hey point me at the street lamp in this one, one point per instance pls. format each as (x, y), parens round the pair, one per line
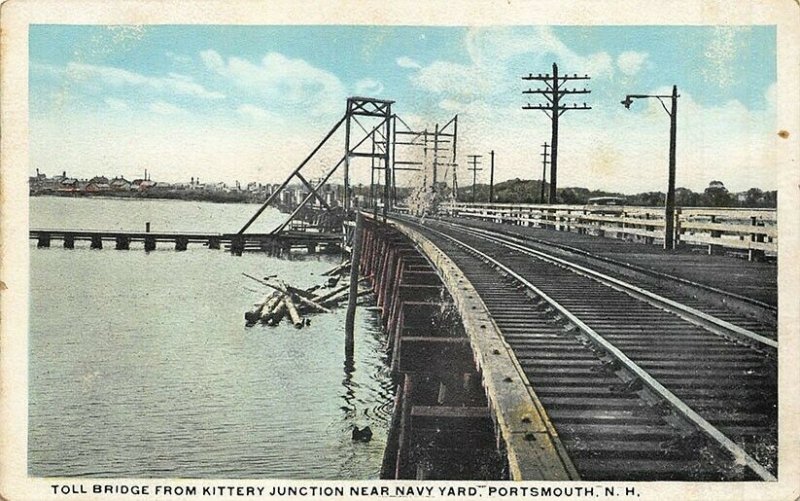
(669, 215)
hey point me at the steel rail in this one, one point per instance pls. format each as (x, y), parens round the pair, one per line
(633, 267)
(697, 317)
(680, 407)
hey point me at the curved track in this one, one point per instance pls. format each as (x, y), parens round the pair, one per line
(637, 385)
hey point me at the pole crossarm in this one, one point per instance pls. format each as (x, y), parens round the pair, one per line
(561, 108)
(554, 91)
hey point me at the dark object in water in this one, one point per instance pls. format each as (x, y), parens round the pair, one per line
(362, 435)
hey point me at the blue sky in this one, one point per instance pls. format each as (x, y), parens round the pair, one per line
(248, 102)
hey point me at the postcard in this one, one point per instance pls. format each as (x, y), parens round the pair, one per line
(369, 250)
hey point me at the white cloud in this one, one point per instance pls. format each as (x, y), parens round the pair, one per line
(259, 114)
(368, 87)
(493, 71)
(178, 58)
(494, 47)
(115, 77)
(458, 80)
(164, 108)
(407, 62)
(212, 59)
(116, 104)
(631, 62)
(282, 81)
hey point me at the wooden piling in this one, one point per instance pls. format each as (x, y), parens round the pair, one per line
(97, 242)
(237, 245)
(349, 324)
(123, 242)
(44, 240)
(149, 243)
(69, 241)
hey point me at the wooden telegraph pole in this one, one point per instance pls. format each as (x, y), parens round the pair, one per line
(554, 92)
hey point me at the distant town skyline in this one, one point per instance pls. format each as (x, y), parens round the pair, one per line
(249, 102)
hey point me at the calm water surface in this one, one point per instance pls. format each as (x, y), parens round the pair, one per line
(140, 364)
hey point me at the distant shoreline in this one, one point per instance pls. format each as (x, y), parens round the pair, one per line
(189, 196)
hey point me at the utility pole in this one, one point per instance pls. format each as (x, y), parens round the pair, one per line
(491, 178)
(669, 210)
(545, 161)
(455, 183)
(474, 161)
(554, 92)
(435, 156)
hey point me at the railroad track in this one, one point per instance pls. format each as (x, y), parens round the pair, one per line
(637, 385)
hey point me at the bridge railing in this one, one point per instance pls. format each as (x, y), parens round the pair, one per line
(754, 231)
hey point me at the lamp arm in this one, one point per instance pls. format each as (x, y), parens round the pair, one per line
(663, 105)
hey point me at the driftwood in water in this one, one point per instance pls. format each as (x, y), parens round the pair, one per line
(336, 270)
(278, 313)
(283, 290)
(269, 309)
(332, 293)
(253, 315)
(339, 296)
(308, 294)
(293, 314)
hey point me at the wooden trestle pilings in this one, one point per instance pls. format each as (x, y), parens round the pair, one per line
(277, 245)
(461, 409)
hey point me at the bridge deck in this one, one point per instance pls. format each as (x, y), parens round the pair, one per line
(631, 386)
(756, 280)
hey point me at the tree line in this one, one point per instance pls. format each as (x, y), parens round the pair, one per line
(528, 191)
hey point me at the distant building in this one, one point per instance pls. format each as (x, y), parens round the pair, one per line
(99, 180)
(68, 184)
(120, 184)
(94, 187)
(142, 184)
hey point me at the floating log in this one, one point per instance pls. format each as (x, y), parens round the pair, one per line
(253, 315)
(280, 310)
(324, 297)
(281, 289)
(293, 314)
(339, 296)
(302, 293)
(269, 310)
(337, 269)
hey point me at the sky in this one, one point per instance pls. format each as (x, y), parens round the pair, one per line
(248, 103)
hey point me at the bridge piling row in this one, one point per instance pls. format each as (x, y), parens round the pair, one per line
(441, 426)
(279, 245)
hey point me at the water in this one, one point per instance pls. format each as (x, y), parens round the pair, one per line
(140, 364)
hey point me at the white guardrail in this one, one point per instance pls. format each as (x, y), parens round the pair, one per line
(754, 231)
